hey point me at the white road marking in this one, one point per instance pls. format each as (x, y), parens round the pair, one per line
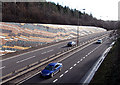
(2, 67)
(43, 53)
(55, 80)
(75, 64)
(81, 59)
(89, 53)
(66, 71)
(47, 51)
(86, 55)
(28, 78)
(50, 50)
(61, 75)
(78, 62)
(35, 50)
(71, 67)
(25, 59)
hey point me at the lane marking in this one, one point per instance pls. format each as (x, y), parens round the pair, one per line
(55, 80)
(66, 71)
(2, 67)
(50, 50)
(78, 62)
(25, 59)
(47, 51)
(43, 53)
(61, 75)
(75, 64)
(81, 59)
(71, 67)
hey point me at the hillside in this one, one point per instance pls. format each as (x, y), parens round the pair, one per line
(21, 36)
(50, 13)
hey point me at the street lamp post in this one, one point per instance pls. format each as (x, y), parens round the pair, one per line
(78, 32)
(78, 29)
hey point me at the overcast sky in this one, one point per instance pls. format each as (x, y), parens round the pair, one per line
(101, 9)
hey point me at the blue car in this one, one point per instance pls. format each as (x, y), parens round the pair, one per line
(51, 69)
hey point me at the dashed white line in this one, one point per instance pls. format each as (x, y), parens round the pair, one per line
(61, 75)
(66, 71)
(55, 80)
(47, 51)
(2, 67)
(75, 64)
(50, 50)
(43, 53)
(89, 53)
(71, 67)
(81, 59)
(25, 59)
(78, 62)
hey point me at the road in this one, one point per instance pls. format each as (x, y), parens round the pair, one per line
(74, 68)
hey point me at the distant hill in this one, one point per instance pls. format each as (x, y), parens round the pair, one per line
(50, 13)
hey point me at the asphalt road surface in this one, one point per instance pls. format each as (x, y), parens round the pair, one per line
(16, 62)
(76, 65)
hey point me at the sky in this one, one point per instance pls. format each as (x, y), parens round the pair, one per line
(101, 9)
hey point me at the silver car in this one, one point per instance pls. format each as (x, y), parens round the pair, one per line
(99, 41)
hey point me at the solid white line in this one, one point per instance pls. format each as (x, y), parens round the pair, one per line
(71, 67)
(75, 64)
(66, 71)
(25, 59)
(61, 75)
(29, 78)
(55, 80)
(2, 67)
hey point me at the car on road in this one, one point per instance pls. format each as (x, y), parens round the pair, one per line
(72, 43)
(99, 41)
(51, 69)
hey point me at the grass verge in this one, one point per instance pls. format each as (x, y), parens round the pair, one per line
(109, 71)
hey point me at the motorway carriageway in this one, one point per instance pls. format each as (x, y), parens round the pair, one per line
(76, 65)
(17, 62)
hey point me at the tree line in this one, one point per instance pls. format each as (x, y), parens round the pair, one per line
(51, 13)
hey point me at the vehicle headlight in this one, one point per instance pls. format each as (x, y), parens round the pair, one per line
(48, 74)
